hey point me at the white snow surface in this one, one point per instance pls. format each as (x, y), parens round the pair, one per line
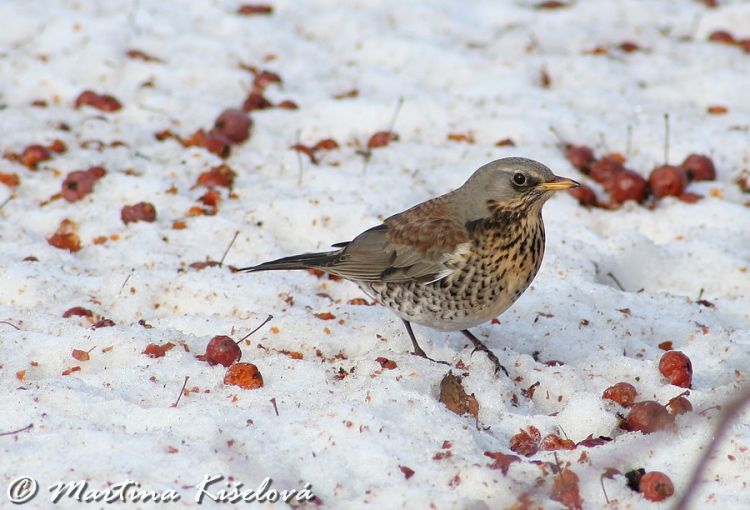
(460, 67)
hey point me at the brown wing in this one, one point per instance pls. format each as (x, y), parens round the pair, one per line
(420, 244)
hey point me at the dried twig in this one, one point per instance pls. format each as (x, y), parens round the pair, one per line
(617, 282)
(182, 390)
(10, 324)
(256, 329)
(231, 243)
(22, 429)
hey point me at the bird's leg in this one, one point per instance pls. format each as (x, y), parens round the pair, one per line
(479, 346)
(418, 351)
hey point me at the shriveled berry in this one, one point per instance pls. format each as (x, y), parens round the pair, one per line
(580, 157)
(256, 101)
(234, 124)
(527, 441)
(244, 375)
(264, 79)
(78, 184)
(666, 181)
(221, 175)
(254, 9)
(287, 104)
(33, 155)
(679, 405)
(647, 417)
(690, 197)
(222, 350)
(655, 486)
(103, 102)
(676, 366)
(699, 168)
(381, 139)
(142, 211)
(217, 143)
(623, 393)
(721, 36)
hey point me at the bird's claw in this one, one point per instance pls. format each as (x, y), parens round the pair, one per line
(422, 354)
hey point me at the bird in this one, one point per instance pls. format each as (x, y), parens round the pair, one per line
(452, 262)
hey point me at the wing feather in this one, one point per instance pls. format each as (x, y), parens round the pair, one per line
(421, 244)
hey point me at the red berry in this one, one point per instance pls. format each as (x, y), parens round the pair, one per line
(222, 350)
(603, 171)
(628, 185)
(623, 393)
(676, 366)
(585, 195)
(699, 168)
(647, 417)
(655, 486)
(33, 155)
(667, 181)
(234, 124)
(580, 156)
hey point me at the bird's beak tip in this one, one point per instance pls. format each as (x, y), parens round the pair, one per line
(560, 183)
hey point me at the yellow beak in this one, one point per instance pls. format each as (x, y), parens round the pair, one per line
(559, 183)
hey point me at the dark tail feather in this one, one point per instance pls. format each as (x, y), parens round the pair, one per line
(303, 261)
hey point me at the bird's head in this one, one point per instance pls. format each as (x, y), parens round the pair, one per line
(515, 182)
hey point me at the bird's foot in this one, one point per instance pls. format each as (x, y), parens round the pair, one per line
(419, 352)
(495, 361)
(479, 346)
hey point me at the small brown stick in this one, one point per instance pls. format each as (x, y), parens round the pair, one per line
(256, 329)
(731, 410)
(182, 390)
(5, 202)
(22, 429)
(231, 243)
(10, 324)
(617, 282)
(273, 401)
(117, 296)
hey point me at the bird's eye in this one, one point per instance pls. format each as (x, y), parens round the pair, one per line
(519, 179)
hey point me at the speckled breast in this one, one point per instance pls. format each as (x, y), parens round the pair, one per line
(502, 263)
